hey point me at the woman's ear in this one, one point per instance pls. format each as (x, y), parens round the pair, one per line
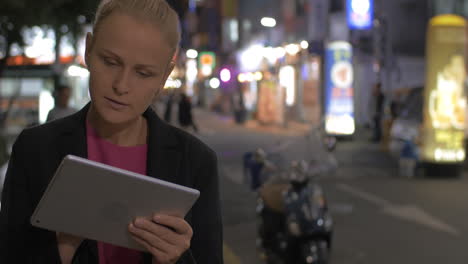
(89, 46)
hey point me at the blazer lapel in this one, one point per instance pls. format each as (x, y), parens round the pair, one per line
(164, 151)
(73, 137)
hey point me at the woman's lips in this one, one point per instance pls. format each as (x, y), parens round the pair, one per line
(116, 104)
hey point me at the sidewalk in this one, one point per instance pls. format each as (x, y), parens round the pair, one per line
(209, 121)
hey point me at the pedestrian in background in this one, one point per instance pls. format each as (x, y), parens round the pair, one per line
(379, 98)
(168, 109)
(129, 57)
(185, 113)
(61, 109)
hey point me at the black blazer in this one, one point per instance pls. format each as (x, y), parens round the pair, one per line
(173, 155)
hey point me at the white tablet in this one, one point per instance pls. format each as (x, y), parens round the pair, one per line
(96, 201)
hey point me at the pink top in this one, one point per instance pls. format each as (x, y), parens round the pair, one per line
(127, 158)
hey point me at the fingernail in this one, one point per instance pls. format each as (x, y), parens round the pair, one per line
(157, 218)
(137, 222)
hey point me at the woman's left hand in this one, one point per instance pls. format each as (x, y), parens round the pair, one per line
(165, 237)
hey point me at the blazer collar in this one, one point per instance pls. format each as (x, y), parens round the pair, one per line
(164, 149)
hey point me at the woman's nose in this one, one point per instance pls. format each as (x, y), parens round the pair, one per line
(121, 84)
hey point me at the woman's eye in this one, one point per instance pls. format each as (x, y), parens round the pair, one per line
(144, 74)
(110, 62)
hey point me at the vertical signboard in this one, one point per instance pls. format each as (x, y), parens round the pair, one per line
(360, 13)
(339, 106)
(270, 107)
(445, 98)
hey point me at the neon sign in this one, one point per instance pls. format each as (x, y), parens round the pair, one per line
(360, 14)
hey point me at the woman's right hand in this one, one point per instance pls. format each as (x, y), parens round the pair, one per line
(67, 245)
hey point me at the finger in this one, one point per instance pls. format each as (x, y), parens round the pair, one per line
(160, 231)
(151, 238)
(179, 225)
(157, 253)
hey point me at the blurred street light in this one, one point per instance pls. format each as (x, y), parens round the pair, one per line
(206, 70)
(251, 58)
(269, 54)
(268, 22)
(215, 83)
(292, 49)
(225, 75)
(250, 77)
(280, 52)
(304, 44)
(242, 78)
(192, 54)
(77, 71)
(258, 76)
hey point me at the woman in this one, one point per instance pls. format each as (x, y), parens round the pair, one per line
(129, 56)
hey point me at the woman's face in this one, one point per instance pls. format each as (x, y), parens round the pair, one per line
(129, 62)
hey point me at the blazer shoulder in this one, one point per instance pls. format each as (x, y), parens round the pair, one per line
(196, 147)
(47, 129)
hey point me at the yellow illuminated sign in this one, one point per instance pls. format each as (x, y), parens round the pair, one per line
(445, 99)
(448, 20)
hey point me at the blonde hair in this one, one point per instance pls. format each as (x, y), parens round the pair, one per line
(157, 12)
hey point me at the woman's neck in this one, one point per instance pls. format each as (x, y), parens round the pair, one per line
(131, 133)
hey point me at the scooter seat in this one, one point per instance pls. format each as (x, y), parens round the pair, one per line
(272, 195)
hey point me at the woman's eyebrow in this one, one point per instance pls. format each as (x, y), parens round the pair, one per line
(111, 53)
(139, 65)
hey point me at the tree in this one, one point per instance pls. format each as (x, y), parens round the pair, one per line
(12, 20)
(63, 16)
(60, 15)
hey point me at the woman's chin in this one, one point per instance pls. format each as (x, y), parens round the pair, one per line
(113, 117)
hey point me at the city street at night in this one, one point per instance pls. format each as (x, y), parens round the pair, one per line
(304, 131)
(379, 217)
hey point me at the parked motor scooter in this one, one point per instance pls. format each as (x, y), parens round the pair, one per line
(294, 223)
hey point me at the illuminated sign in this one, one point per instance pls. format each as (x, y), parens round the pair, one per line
(207, 62)
(360, 13)
(207, 59)
(287, 79)
(445, 98)
(339, 106)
